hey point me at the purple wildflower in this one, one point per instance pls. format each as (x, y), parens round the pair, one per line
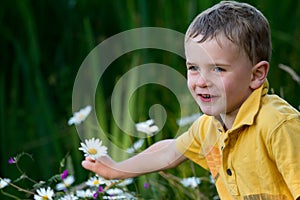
(64, 174)
(146, 185)
(12, 160)
(95, 195)
(100, 189)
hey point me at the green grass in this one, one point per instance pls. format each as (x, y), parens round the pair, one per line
(43, 44)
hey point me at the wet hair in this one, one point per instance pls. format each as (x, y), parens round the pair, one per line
(241, 23)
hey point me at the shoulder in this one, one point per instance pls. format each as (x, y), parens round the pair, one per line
(277, 116)
(196, 130)
(203, 122)
(275, 111)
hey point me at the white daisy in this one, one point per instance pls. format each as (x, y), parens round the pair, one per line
(80, 116)
(112, 181)
(147, 127)
(68, 197)
(44, 194)
(123, 195)
(188, 120)
(137, 145)
(114, 191)
(192, 182)
(118, 197)
(4, 182)
(125, 182)
(93, 148)
(85, 193)
(66, 183)
(96, 181)
(212, 180)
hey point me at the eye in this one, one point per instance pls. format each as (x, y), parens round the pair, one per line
(193, 68)
(219, 69)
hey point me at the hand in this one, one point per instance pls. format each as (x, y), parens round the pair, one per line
(160, 156)
(103, 166)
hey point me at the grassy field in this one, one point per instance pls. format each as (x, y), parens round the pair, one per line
(43, 43)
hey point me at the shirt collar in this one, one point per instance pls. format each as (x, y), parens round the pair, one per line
(250, 107)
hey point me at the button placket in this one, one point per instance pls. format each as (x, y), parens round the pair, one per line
(229, 172)
(227, 166)
(221, 140)
(231, 180)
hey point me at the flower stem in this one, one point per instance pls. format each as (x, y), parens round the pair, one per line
(9, 195)
(20, 189)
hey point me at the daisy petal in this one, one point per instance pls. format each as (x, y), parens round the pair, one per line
(80, 116)
(93, 148)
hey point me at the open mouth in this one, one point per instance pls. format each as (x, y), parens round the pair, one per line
(205, 96)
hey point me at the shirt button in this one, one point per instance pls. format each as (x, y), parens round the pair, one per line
(229, 172)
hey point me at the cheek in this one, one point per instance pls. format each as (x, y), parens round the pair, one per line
(226, 89)
(190, 84)
(232, 91)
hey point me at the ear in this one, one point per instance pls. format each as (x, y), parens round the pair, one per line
(259, 74)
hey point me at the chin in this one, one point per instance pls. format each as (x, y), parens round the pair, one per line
(210, 112)
(214, 109)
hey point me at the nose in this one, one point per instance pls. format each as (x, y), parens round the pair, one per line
(201, 81)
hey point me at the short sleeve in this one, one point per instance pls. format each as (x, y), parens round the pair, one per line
(189, 144)
(285, 148)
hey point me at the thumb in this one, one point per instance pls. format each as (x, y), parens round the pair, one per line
(88, 164)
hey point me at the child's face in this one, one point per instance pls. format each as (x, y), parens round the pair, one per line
(218, 76)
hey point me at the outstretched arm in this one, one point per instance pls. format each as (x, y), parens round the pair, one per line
(161, 155)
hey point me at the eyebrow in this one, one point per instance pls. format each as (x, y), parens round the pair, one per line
(212, 64)
(188, 63)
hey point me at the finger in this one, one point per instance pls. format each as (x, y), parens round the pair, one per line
(89, 159)
(88, 164)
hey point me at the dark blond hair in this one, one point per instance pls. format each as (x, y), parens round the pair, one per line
(240, 23)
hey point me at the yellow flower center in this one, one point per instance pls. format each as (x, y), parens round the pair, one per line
(44, 197)
(92, 151)
(96, 182)
(80, 116)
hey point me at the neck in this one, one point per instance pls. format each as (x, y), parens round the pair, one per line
(227, 120)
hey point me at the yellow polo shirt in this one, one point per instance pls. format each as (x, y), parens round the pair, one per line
(258, 158)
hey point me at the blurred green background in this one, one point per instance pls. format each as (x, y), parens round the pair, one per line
(44, 42)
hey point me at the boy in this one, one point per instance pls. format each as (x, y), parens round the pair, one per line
(249, 140)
